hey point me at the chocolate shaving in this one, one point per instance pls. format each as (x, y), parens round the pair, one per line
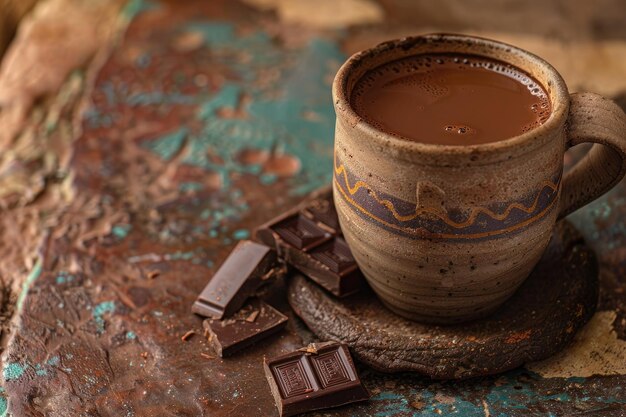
(187, 335)
(313, 348)
(252, 317)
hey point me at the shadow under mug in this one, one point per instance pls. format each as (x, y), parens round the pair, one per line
(447, 233)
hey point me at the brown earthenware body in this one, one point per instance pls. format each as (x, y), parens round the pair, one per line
(448, 233)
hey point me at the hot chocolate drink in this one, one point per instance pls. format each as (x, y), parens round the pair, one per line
(448, 197)
(451, 99)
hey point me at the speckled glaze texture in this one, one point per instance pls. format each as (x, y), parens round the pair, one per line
(448, 233)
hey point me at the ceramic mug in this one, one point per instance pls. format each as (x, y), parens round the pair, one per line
(448, 233)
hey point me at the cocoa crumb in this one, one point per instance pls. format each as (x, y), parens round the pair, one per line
(252, 317)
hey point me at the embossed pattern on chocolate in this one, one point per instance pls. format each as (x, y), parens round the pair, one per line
(292, 379)
(330, 369)
(319, 376)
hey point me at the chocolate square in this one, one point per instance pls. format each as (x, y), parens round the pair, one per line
(330, 368)
(323, 211)
(319, 376)
(335, 254)
(292, 378)
(301, 232)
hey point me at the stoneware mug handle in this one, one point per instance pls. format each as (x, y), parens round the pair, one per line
(593, 118)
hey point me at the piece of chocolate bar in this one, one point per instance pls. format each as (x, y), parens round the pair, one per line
(308, 237)
(323, 209)
(301, 232)
(242, 273)
(255, 321)
(319, 376)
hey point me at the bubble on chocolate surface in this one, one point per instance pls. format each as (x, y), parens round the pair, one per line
(460, 129)
(427, 81)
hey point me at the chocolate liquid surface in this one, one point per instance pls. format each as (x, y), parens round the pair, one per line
(451, 99)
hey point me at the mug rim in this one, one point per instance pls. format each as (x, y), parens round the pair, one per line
(556, 89)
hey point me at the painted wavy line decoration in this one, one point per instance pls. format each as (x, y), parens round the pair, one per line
(481, 221)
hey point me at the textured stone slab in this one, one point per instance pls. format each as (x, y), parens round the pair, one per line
(557, 299)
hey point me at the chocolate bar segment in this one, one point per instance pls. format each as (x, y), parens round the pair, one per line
(323, 210)
(330, 265)
(301, 232)
(319, 376)
(242, 273)
(308, 237)
(254, 322)
(335, 255)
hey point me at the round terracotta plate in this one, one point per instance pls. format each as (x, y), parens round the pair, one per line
(557, 299)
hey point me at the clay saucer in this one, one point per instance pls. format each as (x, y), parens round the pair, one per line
(557, 299)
